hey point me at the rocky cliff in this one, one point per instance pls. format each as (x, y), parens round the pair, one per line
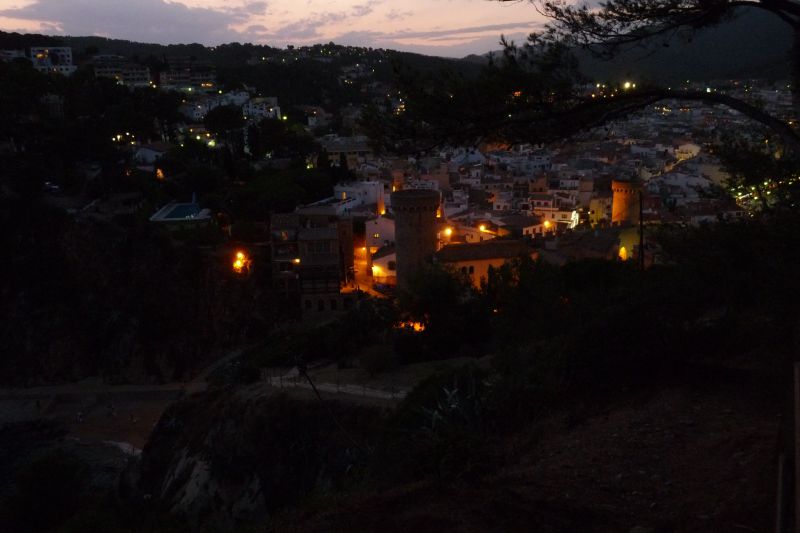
(224, 459)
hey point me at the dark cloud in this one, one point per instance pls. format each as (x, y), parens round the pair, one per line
(396, 14)
(141, 20)
(256, 29)
(366, 8)
(441, 45)
(460, 33)
(164, 21)
(306, 29)
(254, 8)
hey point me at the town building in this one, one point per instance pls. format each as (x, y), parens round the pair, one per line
(148, 154)
(53, 60)
(312, 262)
(474, 260)
(188, 74)
(257, 109)
(128, 74)
(354, 150)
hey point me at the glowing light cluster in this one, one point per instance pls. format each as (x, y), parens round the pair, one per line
(416, 326)
(241, 262)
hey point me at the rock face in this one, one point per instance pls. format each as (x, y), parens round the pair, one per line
(38, 464)
(225, 459)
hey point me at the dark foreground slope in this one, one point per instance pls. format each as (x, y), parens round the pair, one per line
(616, 398)
(695, 455)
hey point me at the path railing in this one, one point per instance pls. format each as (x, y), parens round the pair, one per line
(295, 380)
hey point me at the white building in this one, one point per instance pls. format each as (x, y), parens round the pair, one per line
(379, 233)
(150, 153)
(57, 59)
(237, 98)
(458, 203)
(257, 109)
(362, 193)
(503, 201)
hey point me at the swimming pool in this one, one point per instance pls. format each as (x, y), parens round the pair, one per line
(183, 211)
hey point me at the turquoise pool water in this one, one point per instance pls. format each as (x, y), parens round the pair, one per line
(184, 211)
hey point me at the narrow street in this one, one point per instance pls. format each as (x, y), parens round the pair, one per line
(363, 274)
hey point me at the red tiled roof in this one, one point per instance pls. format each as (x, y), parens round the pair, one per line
(493, 249)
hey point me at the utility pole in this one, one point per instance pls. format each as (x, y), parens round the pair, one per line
(641, 230)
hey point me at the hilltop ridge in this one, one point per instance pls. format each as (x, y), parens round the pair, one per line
(753, 44)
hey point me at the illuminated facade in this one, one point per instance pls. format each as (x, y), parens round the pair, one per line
(625, 202)
(474, 260)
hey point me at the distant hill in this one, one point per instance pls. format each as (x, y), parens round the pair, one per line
(754, 44)
(227, 55)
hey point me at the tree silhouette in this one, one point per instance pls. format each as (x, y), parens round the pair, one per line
(620, 24)
(531, 92)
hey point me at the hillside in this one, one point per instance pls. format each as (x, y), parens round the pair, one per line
(754, 44)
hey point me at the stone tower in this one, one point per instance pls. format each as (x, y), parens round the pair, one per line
(415, 230)
(625, 202)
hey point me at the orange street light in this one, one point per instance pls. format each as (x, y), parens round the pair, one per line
(241, 262)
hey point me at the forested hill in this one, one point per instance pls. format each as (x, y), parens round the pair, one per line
(754, 44)
(227, 55)
(295, 75)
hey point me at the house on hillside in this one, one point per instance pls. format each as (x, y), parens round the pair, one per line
(474, 260)
(148, 154)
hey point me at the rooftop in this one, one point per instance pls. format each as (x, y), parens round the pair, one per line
(492, 249)
(157, 147)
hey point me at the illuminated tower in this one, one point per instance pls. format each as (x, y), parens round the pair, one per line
(415, 230)
(625, 202)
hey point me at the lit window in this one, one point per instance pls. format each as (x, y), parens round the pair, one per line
(376, 235)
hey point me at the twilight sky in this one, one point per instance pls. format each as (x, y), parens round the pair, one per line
(437, 27)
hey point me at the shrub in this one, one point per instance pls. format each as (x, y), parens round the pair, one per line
(377, 359)
(48, 492)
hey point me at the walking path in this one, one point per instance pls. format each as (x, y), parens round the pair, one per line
(98, 411)
(293, 379)
(95, 386)
(363, 275)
